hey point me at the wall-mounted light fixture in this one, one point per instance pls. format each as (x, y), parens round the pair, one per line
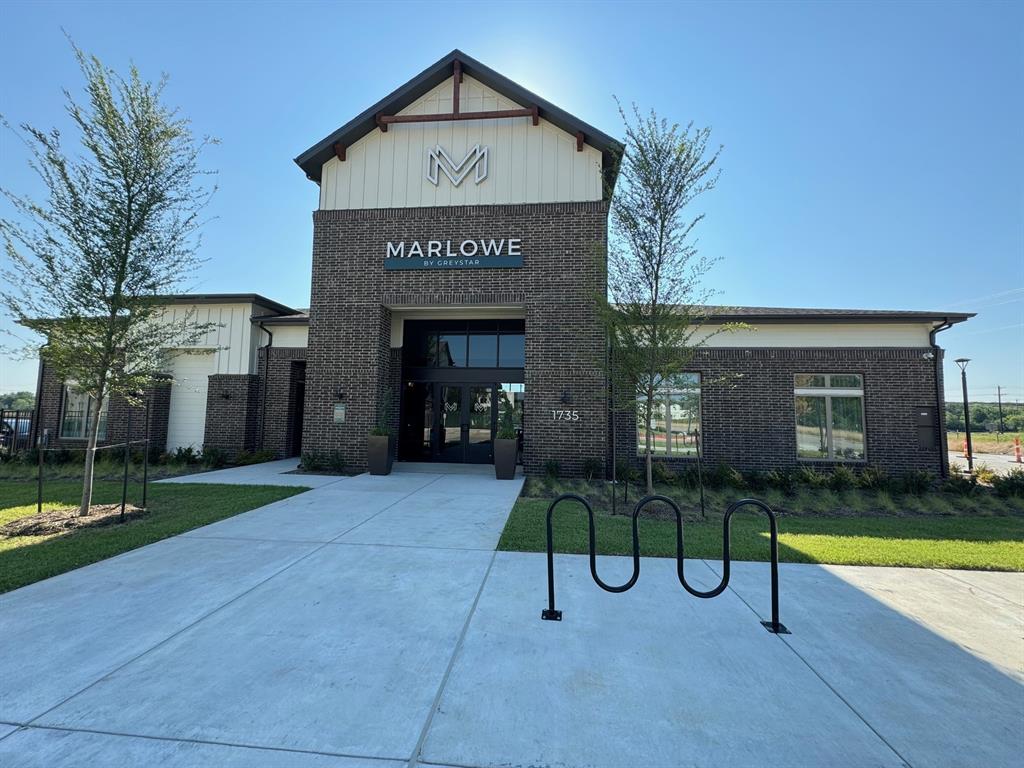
(226, 395)
(566, 397)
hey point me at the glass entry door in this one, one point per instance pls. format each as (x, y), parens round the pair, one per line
(451, 445)
(480, 429)
(448, 422)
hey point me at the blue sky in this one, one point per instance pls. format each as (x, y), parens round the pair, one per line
(873, 152)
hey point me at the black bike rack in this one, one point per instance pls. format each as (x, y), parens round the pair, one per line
(774, 626)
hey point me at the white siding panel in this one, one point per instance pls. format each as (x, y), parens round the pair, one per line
(290, 335)
(527, 163)
(230, 340)
(186, 422)
(826, 335)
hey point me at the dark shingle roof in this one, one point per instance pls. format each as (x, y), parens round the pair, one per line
(762, 315)
(777, 314)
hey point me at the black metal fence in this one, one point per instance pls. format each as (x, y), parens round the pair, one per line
(15, 431)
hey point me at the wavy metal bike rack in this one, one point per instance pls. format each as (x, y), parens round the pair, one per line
(774, 626)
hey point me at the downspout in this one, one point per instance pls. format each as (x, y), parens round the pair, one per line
(266, 379)
(940, 405)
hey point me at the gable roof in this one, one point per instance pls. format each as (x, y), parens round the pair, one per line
(311, 161)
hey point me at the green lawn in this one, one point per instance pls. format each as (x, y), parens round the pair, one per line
(994, 542)
(173, 509)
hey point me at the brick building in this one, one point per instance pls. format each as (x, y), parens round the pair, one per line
(458, 247)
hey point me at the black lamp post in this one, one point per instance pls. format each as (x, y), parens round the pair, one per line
(962, 362)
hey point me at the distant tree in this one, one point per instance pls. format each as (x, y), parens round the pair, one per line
(17, 401)
(117, 233)
(656, 306)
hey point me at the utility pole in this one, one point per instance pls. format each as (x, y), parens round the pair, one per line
(999, 396)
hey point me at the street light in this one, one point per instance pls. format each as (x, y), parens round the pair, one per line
(962, 362)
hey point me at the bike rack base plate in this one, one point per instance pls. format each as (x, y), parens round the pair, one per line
(776, 629)
(549, 615)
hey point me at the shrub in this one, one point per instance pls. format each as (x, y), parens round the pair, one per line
(781, 479)
(962, 485)
(810, 477)
(322, 461)
(626, 472)
(312, 462)
(243, 458)
(874, 478)
(723, 476)
(983, 473)
(591, 468)
(916, 481)
(662, 473)
(552, 469)
(1010, 484)
(184, 456)
(214, 458)
(842, 479)
(757, 481)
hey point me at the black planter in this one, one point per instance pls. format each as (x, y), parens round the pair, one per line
(378, 454)
(505, 453)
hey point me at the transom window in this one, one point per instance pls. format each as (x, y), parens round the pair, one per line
(675, 423)
(464, 344)
(78, 408)
(829, 416)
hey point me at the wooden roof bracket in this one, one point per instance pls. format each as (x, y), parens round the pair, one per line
(579, 141)
(339, 151)
(383, 121)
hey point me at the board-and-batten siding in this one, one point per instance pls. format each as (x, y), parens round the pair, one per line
(231, 340)
(526, 163)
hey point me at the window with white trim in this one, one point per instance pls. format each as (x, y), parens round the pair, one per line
(829, 416)
(675, 423)
(78, 408)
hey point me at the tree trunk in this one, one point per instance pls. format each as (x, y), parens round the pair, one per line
(92, 435)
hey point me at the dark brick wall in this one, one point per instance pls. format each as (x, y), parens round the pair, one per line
(349, 351)
(748, 407)
(51, 402)
(231, 412)
(279, 390)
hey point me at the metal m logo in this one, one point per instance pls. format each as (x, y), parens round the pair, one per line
(437, 158)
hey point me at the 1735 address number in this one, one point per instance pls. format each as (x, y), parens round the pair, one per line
(565, 415)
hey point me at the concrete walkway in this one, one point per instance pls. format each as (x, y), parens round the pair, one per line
(281, 472)
(369, 622)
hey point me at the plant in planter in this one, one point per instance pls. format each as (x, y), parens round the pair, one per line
(379, 456)
(506, 444)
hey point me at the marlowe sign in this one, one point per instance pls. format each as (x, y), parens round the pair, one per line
(483, 253)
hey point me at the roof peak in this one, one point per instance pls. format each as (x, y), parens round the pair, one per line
(311, 161)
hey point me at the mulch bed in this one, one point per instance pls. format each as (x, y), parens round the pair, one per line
(64, 520)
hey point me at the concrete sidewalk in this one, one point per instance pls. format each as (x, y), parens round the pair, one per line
(266, 473)
(369, 622)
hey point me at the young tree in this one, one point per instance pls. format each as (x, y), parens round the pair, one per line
(117, 233)
(656, 306)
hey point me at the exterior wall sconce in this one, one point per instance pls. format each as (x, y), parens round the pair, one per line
(226, 395)
(566, 397)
